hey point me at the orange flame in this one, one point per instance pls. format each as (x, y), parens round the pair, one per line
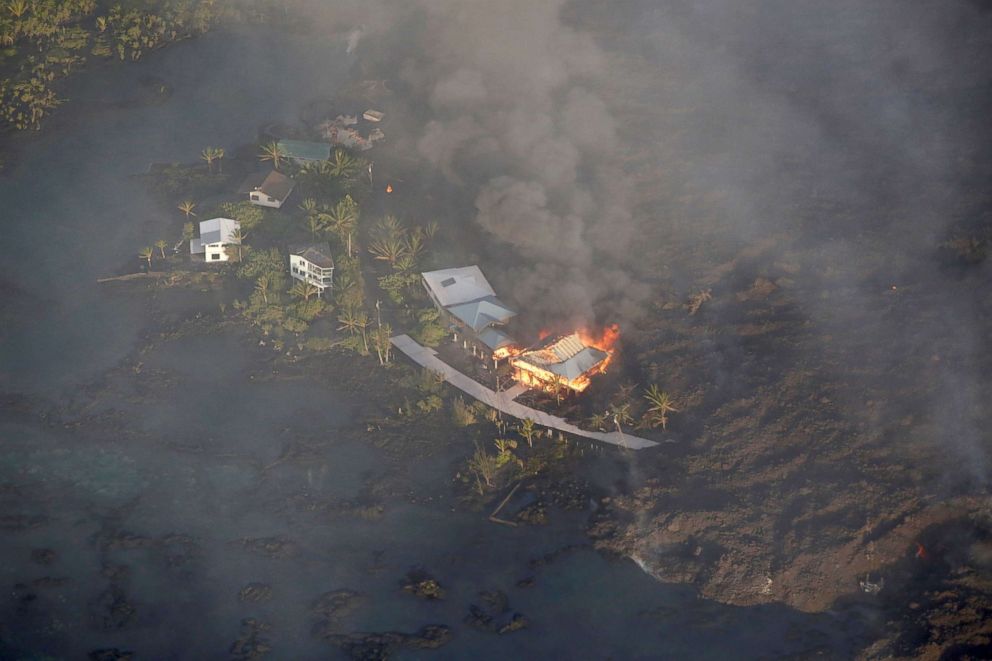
(603, 340)
(389, 188)
(542, 334)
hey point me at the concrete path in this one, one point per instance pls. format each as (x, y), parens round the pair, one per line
(504, 400)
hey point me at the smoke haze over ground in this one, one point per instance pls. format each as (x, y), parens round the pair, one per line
(608, 143)
(805, 162)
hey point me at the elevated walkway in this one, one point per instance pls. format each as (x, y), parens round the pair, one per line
(504, 400)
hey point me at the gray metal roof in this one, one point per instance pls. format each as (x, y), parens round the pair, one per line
(218, 230)
(565, 356)
(458, 285)
(318, 254)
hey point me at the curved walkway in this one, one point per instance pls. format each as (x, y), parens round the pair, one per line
(504, 400)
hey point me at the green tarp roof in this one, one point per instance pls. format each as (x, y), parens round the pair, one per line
(305, 151)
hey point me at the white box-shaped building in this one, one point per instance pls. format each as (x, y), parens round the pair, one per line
(216, 235)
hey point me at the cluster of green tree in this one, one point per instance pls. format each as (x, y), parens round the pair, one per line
(511, 462)
(274, 305)
(129, 32)
(280, 305)
(424, 392)
(147, 254)
(45, 40)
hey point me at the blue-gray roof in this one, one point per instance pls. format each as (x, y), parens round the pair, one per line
(482, 312)
(565, 356)
(494, 338)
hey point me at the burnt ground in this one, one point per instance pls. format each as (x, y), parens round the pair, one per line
(832, 390)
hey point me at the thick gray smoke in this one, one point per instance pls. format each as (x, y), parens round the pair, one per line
(847, 137)
(511, 93)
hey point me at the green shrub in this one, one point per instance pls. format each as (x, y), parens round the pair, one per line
(462, 414)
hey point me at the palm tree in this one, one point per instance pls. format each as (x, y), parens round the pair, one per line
(661, 406)
(621, 414)
(219, 155)
(147, 253)
(17, 8)
(238, 236)
(308, 206)
(405, 264)
(303, 290)
(343, 216)
(272, 152)
(344, 165)
(161, 244)
(315, 222)
(415, 243)
(389, 226)
(598, 421)
(388, 249)
(209, 154)
(430, 229)
(187, 206)
(527, 430)
(262, 287)
(349, 321)
(355, 321)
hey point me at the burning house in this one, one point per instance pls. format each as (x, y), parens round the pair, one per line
(564, 361)
(468, 303)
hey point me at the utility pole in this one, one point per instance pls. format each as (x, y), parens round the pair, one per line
(499, 399)
(623, 441)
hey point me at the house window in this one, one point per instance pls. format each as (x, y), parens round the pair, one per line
(254, 196)
(215, 256)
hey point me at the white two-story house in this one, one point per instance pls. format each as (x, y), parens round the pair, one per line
(313, 263)
(216, 236)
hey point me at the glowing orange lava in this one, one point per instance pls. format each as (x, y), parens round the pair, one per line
(389, 188)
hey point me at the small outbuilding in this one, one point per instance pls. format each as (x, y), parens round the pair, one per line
(267, 189)
(217, 235)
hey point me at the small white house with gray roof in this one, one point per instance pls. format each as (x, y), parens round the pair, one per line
(466, 298)
(216, 235)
